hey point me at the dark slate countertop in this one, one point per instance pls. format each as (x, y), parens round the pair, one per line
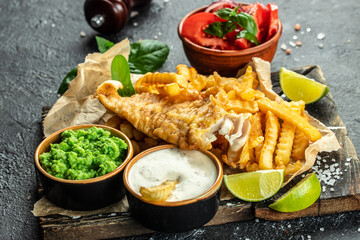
(41, 42)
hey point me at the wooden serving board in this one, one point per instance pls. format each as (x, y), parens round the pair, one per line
(342, 196)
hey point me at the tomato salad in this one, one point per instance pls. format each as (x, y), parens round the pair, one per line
(227, 25)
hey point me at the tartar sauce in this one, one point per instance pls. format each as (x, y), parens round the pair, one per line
(194, 171)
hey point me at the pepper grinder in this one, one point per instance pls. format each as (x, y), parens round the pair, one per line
(110, 16)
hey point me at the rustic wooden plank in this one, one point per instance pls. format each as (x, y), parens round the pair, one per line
(344, 197)
(122, 225)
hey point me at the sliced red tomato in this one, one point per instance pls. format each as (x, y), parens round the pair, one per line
(260, 13)
(273, 20)
(193, 30)
(243, 43)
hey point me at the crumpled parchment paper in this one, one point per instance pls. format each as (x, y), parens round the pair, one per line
(78, 106)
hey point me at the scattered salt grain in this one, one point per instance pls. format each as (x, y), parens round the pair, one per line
(347, 164)
(333, 160)
(308, 29)
(332, 189)
(283, 95)
(156, 37)
(324, 160)
(303, 175)
(322, 229)
(256, 220)
(134, 14)
(159, 33)
(309, 237)
(82, 34)
(318, 157)
(75, 217)
(302, 32)
(292, 44)
(348, 159)
(112, 214)
(135, 24)
(321, 36)
(358, 229)
(295, 37)
(53, 25)
(349, 41)
(283, 46)
(289, 226)
(321, 45)
(166, 1)
(323, 188)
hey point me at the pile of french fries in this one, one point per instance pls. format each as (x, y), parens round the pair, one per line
(279, 133)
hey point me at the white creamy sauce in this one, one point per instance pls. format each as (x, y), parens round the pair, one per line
(194, 171)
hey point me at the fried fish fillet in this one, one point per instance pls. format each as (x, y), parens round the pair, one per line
(188, 124)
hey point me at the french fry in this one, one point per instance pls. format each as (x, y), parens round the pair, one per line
(158, 193)
(292, 168)
(271, 135)
(150, 142)
(138, 135)
(248, 95)
(136, 147)
(285, 143)
(231, 95)
(252, 166)
(198, 83)
(244, 156)
(170, 90)
(291, 116)
(248, 79)
(127, 129)
(113, 122)
(183, 70)
(301, 142)
(159, 80)
(240, 106)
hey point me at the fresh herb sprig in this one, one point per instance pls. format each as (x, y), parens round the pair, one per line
(120, 71)
(233, 20)
(145, 56)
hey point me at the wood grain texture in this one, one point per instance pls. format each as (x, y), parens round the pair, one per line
(342, 196)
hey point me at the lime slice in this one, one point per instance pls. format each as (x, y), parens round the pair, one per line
(301, 196)
(298, 87)
(255, 186)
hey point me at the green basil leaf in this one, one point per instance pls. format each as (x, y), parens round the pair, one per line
(215, 29)
(220, 29)
(246, 21)
(103, 44)
(248, 36)
(225, 13)
(120, 71)
(66, 81)
(147, 56)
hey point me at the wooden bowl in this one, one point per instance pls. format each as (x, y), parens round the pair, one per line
(86, 194)
(225, 62)
(174, 216)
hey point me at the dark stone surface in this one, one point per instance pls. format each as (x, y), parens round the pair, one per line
(40, 43)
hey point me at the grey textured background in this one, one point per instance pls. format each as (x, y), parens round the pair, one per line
(40, 42)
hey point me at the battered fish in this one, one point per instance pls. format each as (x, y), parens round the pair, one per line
(188, 125)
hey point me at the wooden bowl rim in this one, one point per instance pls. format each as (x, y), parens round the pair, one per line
(207, 194)
(226, 53)
(54, 136)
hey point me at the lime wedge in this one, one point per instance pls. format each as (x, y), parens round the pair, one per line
(255, 186)
(298, 87)
(301, 196)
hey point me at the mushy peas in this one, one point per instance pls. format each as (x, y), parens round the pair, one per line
(84, 154)
(194, 171)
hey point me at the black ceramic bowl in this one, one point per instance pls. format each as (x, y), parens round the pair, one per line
(86, 194)
(174, 216)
